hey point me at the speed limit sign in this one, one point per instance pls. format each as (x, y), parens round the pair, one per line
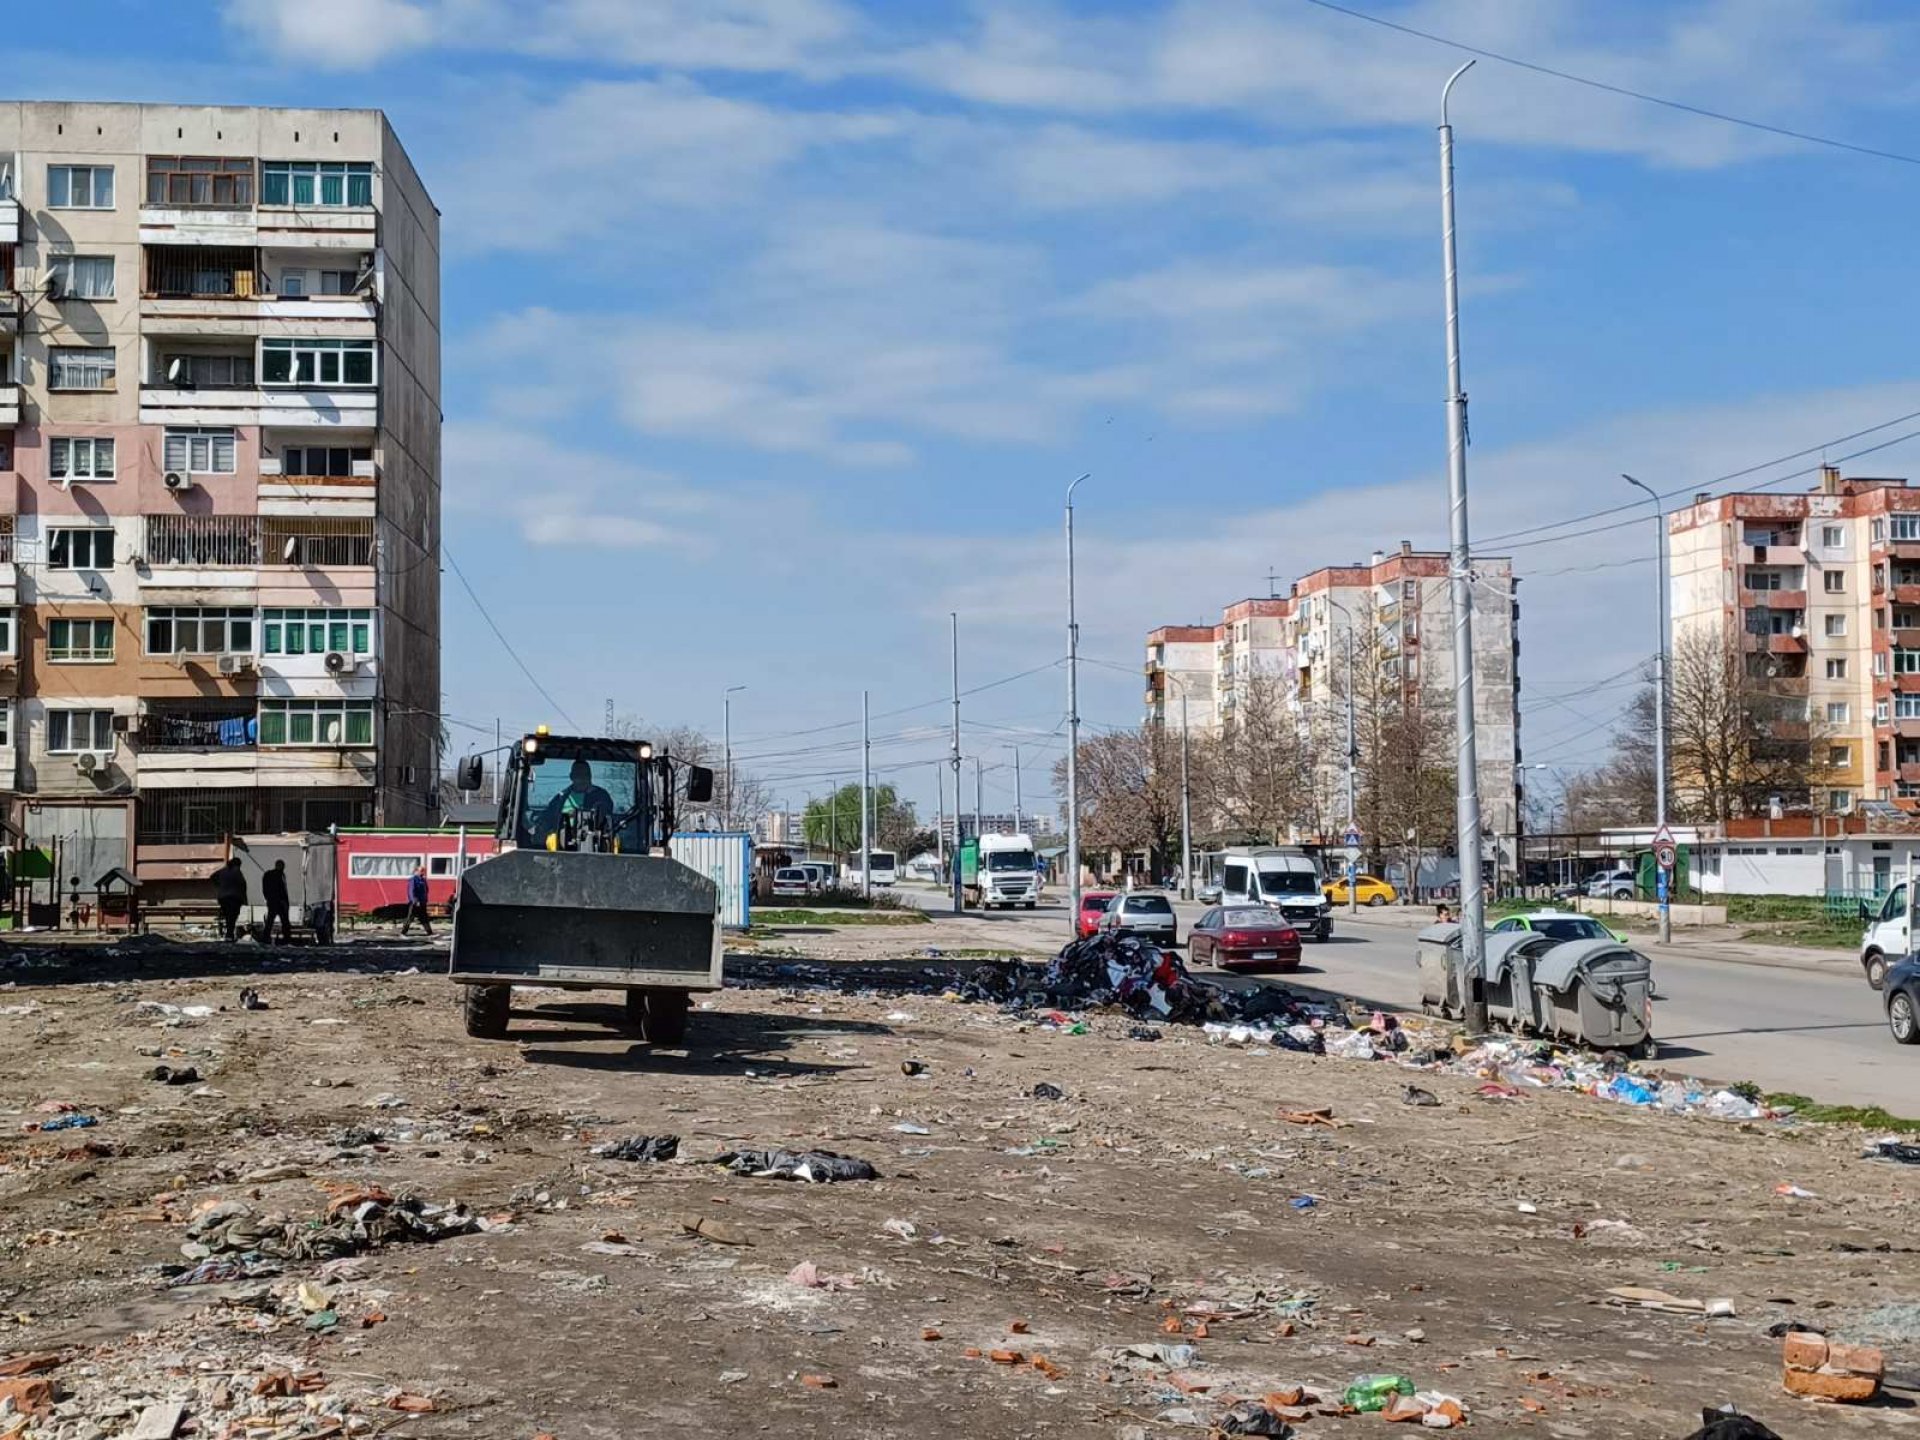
(1663, 854)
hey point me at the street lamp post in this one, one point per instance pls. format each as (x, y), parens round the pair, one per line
(1353, 755)
(1073, 732)
(726, 751)
(1660, 684)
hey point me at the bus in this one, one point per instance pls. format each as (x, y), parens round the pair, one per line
(880, 866)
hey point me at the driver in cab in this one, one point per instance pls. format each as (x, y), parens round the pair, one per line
(580, 799)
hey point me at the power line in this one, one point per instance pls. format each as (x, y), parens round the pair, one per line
(507, 645)
(1681, 105)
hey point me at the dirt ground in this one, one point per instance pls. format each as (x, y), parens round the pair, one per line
(1162, 1203)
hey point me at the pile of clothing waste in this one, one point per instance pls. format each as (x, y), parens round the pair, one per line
(232, 1240)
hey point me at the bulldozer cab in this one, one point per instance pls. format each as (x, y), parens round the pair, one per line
(607, 796)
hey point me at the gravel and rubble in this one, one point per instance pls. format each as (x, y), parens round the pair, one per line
(1066, 1231)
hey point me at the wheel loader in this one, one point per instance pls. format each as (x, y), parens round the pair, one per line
(584, 893)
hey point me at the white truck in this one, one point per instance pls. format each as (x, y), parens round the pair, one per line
(1886, 936)
(999, 870)
(1280, 876)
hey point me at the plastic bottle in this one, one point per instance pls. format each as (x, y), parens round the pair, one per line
(1370, 1392)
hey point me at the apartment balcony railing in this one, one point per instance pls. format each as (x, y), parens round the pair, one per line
(227, 729)
(1775, 599)
(7, 526)
(222, 541)
(9, 406)
(1906, 591)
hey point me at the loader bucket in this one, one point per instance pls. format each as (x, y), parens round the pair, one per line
(572, 918)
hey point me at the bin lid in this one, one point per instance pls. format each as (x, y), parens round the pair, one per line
(1558, 967)
(1504, 945)
(1448, 934)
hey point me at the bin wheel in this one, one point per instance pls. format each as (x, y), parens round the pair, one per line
(486, 1009)
(1647, 1049)
(664, 1021)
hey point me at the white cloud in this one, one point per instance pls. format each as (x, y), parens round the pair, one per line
(338, 35)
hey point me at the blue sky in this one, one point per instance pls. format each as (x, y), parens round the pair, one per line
(775, 329)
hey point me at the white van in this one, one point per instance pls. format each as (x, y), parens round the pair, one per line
(1888, 935)
(1286, 879)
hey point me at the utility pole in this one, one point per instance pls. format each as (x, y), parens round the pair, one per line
(498, 759)
(1019, 824)
(940, 816)
(1473, 936)
(866, 801)
(1186, 809)
(726, 751)
(1660, 685)
(1353, 755)
(958, 900)
(977, 831)
(1073, 738)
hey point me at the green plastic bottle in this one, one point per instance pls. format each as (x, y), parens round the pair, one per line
(1370, 1392)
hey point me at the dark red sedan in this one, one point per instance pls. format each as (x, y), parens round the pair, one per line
(1093, 909)
(1244, 937)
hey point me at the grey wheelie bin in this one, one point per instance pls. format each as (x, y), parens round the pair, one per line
(1511, 955)
(1438, 954)
(1595, 992)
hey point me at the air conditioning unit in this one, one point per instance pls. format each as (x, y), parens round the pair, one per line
(236, 664)
(339, 663)
(176, 481)
(90, 762)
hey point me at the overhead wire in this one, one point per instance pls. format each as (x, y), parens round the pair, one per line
(506, 644)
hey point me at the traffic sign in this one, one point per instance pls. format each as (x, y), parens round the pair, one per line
(1663, 854)
(1353, 839)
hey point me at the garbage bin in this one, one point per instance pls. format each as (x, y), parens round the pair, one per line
(1510, 960)
(1595, 992)
(1438, 956)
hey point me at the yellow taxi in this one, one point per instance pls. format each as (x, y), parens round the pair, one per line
(1367, 890)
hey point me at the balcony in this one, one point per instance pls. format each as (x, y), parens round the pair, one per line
(1775, 599)
(1908, 772)
(1781, 644)
(1906, 591)
(1907, 727)
(292, 407)
(1908, 684)
(9, 406)
(9, 221)
(177, 729)
(1904, 548)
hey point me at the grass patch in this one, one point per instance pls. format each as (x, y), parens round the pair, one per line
(798, 916)
(1869, 1117)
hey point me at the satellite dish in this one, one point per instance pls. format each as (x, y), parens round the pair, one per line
(56, 282)
(292, 552)
(176, 368)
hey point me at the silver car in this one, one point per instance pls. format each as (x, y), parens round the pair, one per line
(1146, 913)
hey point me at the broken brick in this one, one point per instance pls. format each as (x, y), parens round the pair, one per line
(1828, 1370)
(30, 1395)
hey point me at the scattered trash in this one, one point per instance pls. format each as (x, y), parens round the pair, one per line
(1322, 1116)
(1250, 1417)
(1794, 1192)
(250, 1000)
(817, 1166)
(1370, 1393)
(639, 1147)
(1638, 1297)
(63, 1122)
(1045, 1090)
(1527, 1207)
(1416, 1096)
(170, 1075)
(820, 1382)
(1901, 1152)
(1727, 1423)
(717, 1231)
(812, 1277)
(904, 1229)
(1827, 1370)
(1780, 1329)
(358, 1218)
(412, 1404)
(1143, 1032)
(1720, 1310)
(1303, 1202)
(908, 1127)
(913, 1067)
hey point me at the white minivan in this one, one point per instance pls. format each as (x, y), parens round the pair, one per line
(1887, 937)
(1279, 876)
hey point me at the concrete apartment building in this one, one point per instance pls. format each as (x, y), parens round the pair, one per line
(1399, 608)
(219, 480)
(1819, 593)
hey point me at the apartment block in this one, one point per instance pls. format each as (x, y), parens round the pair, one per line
(1398, 608)
(219, 480)
(1819, 595)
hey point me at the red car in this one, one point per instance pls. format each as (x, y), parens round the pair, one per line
(1244, 937)
(1093, 909)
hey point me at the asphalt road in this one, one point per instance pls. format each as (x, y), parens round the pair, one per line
(1813, 1028)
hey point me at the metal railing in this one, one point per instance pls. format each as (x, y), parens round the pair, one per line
(6, 539)
(290, 540)
(203, 540)
(202, 271)
(219, 727)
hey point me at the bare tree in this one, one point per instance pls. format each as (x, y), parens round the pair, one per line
(1258, 776)
(1740, 735)
(751, 797)
(1404, 767)
(1129, 791)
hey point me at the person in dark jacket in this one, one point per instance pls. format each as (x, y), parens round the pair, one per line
(273, 893)
(417, 901)
(230, 889)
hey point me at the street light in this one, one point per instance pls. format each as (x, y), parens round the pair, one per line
(1519, 858)
(1073, 732)
(1353, 752)
(726, 751)
(1661, 664)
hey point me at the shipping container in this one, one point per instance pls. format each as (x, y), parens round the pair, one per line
(374, 866)
(726, 858)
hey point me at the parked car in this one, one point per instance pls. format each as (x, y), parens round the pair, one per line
(1145, 913)
(1367, 890)
(1244, 937)
(792, 880)
(1901, 990)
(1093, 909)
(1612, 885)
(1561, 925)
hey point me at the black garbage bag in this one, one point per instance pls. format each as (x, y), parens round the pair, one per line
(817, 1166)
(1251, 1418)
(640, 1147)
(1730, 1424)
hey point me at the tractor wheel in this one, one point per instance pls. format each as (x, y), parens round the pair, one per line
(486, 1009)
(665, 1020)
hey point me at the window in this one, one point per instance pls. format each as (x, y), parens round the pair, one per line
(1839, 756)
(1906, 707)
(1877, 531)
(322, 461)
(82, 277)
(80, 457)
(80, 187)
(71, 731)
(315, 632)
(6, 635)
(1905, 527)
(308, 182)
(1836, 626)
(439, 866)
(1840, 801)
(383, 867)
(318, 282)
(1765, 580)
(1836, 669)
(208, 372)
(200, 452)
(1834, 581)
(1839, 712)
(80, 639)
(316, 362)
(194, 182)
(1880, 664)
(1833, 537)
(1906, 662)
(199, 630)
(80, 367)
(90, 549)
(316, 722)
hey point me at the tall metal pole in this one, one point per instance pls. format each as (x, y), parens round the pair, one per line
(977, 830)
(726, 751)
(1661, 682)
(959, 902)
(1353, 755)
(1019, 826)
(1186, 809)
(497, 759)
(1073, 734)
(940, 816)
(866, 801)
(1466, 756)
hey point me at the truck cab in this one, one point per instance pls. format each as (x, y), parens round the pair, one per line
(1888, 935)
(1002, 873)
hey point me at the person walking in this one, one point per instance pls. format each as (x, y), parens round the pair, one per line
(273, 893)
(230, 890)
(417, 902)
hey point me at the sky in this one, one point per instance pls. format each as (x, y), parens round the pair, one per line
(775, 330)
